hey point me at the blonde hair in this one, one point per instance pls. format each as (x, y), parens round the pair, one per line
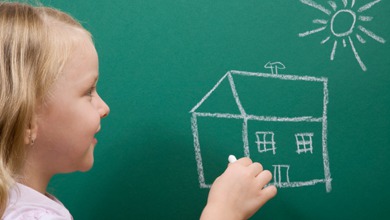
(35, 43)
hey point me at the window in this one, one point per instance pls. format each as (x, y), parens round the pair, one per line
(304, 142)
(265, 141)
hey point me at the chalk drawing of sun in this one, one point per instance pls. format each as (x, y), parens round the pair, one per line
(347, 14)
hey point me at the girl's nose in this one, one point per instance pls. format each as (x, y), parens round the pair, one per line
(104, 110)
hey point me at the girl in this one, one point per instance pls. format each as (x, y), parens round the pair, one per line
(51, 111)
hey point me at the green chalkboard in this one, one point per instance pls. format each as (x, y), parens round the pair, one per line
(301, 86)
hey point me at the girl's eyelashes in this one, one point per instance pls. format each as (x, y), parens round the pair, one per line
(91, 91)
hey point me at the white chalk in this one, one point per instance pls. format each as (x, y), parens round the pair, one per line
(232, 158)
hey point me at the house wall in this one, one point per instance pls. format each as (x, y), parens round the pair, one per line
(218, 138)
(304, 166)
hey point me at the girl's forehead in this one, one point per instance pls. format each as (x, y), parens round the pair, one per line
(82, 65)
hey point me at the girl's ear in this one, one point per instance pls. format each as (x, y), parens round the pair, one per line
(31, 132)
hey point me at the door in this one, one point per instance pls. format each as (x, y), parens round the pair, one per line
(281, 175)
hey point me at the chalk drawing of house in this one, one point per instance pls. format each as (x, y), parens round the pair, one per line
(281, 122)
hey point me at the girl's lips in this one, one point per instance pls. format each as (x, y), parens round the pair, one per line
(94, 141)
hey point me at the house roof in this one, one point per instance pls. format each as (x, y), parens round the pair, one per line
(239, 94)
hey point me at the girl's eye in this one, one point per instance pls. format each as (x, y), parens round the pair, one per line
(90, 91)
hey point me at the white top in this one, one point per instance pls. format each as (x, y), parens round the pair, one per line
(27, 204)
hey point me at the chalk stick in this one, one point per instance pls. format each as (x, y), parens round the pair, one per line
(232, 159)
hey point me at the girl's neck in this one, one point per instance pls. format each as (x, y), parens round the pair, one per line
(34, 178)
(39, 186)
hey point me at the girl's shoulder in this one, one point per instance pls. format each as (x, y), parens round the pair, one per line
(26, 203)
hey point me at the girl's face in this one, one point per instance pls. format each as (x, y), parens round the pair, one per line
(69, 120)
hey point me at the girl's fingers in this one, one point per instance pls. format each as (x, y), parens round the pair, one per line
(245, 161)
(255, 168)
(264, 178)
(267, 193)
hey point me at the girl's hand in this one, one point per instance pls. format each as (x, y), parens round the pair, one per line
(239, 192)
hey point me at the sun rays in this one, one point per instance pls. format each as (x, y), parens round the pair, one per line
(354, 30)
